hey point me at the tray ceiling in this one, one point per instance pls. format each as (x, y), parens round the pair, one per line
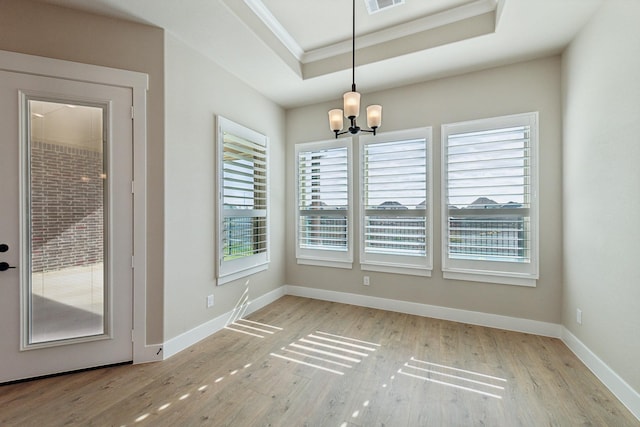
(299, 52)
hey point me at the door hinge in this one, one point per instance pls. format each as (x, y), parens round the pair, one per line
(133, 261)
(133, 187)
(132, 340)
(132, 109)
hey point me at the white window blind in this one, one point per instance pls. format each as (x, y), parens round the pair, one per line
(244, 197)
(395, 224)
(323, 229)
(489, 186)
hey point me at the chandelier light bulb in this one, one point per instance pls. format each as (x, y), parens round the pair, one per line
(374, 116)
(351, 105)
(335, 120)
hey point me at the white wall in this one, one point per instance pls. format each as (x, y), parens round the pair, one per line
(196, 89)
(523, 87)
(601, 176)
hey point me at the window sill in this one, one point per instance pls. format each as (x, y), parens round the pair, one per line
(486, 277)
(412, 271)
(325, 263)
(242, 273)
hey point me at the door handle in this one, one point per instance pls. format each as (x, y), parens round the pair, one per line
(4, 266)
(4, 247)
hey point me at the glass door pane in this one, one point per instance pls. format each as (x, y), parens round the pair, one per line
(67, 295)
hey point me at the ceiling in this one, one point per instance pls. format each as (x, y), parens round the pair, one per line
(299, 52)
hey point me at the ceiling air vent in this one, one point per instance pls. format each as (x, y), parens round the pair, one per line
(374, 6)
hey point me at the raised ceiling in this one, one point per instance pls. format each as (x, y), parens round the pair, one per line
(299, 52)
(331, 21)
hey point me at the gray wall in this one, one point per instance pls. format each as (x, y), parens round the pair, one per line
(54, 32)
(196, 90)
(601, 185)
(524, 87)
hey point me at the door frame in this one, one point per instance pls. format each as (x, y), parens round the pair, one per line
(139, 83)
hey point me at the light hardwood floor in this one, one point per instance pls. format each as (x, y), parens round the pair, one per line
(302, 362)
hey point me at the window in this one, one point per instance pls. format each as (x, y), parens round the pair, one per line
(324, 227)
(395, 213)
(490, 223)
(243, 195)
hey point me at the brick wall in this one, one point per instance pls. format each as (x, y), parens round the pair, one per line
(67, 201)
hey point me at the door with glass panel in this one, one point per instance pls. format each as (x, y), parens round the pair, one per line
(65, 225)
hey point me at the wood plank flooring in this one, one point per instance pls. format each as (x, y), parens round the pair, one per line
(303, 362)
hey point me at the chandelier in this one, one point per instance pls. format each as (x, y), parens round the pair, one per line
(352, 102)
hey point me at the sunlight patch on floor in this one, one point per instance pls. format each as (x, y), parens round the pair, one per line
(461, 379)
(327, 352)
(237, 323)
(184, 397)
(247, 327)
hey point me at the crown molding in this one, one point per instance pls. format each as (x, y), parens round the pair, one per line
(265, 15)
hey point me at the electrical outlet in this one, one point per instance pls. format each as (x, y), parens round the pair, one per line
(209, 301)
(579, 316)
(365, 281)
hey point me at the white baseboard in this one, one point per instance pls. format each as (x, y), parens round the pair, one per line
(619, 387)
(189, 338)
(437, 312)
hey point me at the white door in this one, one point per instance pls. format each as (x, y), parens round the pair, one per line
(65, 225)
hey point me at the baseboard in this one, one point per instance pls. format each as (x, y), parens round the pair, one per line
(437, 312)
(189, 338)
(623, 391)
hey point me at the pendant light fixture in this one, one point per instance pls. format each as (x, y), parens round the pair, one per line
(352, 102)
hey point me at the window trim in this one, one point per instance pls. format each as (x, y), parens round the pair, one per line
(319, 257)
(228, 271)
(388, 263)
(500, 272)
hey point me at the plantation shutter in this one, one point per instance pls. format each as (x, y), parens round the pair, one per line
(490, 221)
(395, 225)
(245, 197)
(488, 180)
(323, 199)
(394, 191)
(323, 223)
